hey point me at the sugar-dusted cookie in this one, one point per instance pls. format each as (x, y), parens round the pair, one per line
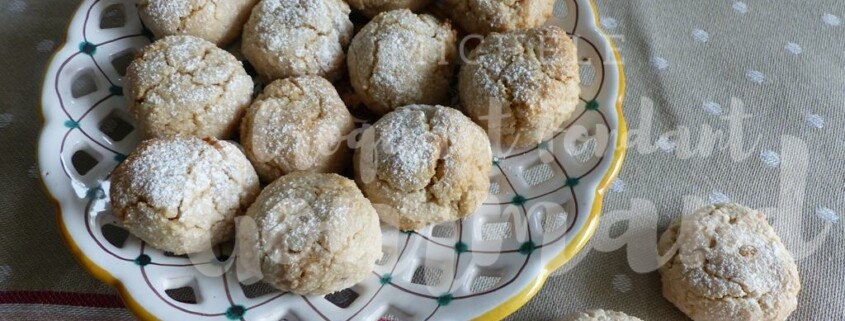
(729, 265)
(218, 21)
(181, 194)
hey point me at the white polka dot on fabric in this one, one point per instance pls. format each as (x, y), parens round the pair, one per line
(717, 197)
(827, 214)
(659, 63)
(622, 283)
(666, 144)
(793, 48)
(815, 120)
(740, 7)
(831, 20)
(700, 35)
(713, 108)
(17, 6)
(6, 120)
(770, 158)
(618, 186)
(609, 23)
(755, 77)
(45, 45)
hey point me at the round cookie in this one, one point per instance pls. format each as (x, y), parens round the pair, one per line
(297, 124)
(400, 58)
(218, 21)
(729, 265)
(317, 234)
(181, 194)
(423, 165)
(287, 38)
(486, 16)
(600, 315)
(521, 86)
(371, 8)
(184, 85)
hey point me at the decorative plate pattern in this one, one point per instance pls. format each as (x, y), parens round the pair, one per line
(543, 206)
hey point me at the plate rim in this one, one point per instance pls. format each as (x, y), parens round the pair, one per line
(501, 311)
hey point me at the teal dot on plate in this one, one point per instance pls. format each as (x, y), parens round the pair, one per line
(407, 231)
(461, 247)
(71, 124)
(592, 105)
(87, 48)
(495, 161)
(116, 90)
(572, 182)
(235, 312)
(95, 193)
(527, 247)
(385, 279)
(119, 158)
(445, 299)
(543, 145)
(518, 200)
(143, 260)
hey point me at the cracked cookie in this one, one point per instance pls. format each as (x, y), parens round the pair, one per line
(729, 265)
(287, 38)
(181, 194)
(371, 8)
(317, 234)
(422, 165)
(401, 58)
(486, 16)
(184, 85)
(218, 21)
(600, 315)
(297, 124)
(521, 86)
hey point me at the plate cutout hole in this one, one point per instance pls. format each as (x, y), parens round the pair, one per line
(553, 218)
(122, 60)
(392, 314)
(496, 231)
(385, 256)
(184, 294)
(116, 127)
(257, 289)
(494, 188)
(484, 281)
(584, 149)
(170, 254)
(84, 161)
(114, 16)
(560, 11)
(115, 235)
(445, 230)
(538, 174)
(83, 84)
(587, 72)
(427, 275)
(342, 298)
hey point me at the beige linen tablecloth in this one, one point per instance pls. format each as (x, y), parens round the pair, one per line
(768, 75)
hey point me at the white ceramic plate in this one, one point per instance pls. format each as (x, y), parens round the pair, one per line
(543, 207)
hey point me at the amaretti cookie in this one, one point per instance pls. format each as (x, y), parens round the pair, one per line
(184, 85)
(371, 8)
(297, 124)
(422, 165)
(288, 38)
(401, 58)
(521, 86)
(729, 265)
(218, 21)
(317, 234)
(181, 194)
(486, 16)
(600, 315)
